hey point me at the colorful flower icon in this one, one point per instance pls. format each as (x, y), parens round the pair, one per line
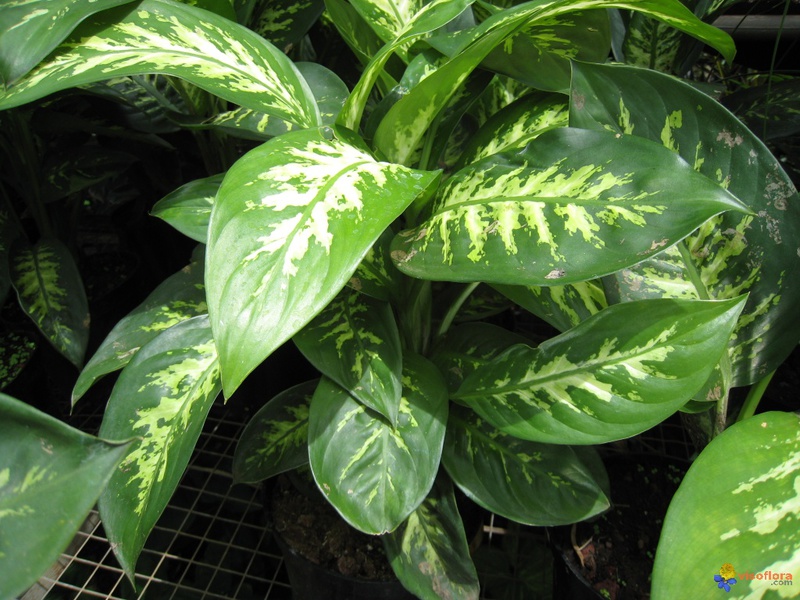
(723, 583)
(727, 571)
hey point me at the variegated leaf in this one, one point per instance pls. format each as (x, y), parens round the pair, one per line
(572, 205)
(162, 397)
(188, 209)
(31, 29)
(527, 482)
(376, 275)
(376, 475)
(355, 342)
(433, 15)
(176, 299)
(429, 551)
(770, 110)
(51, 293)
(407, 122)
(733, 254)
(162, 36)
(292, 221)
(285, 22)
(79, 168)
(388, 18)
(738, 504)
(16, 349)
(616, 374)
(517, 124)
(276, 438)
(469, 346)
(563, 306)
(50, 477)
(649, 43)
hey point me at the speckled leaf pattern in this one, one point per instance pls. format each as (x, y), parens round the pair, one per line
(188, 209)
(285, 22)
(734, 253)
(517, 124)
(571, 205)
(649, 43)
(429, 551)
(466, 347)
(162, 397)
(355, 342)
(528, 482)
(178, 298)
(408, 121)
(16, 349)
(376, 275)
(292, 221)
(50, 477)
(275, 440)
(376, 475)
(616, 374)
(207, 50)
(30, 29)
(51, 293)
(742, 512)
(563, 306)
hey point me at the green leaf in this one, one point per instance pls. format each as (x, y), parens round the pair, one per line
(31, 29)
(516, 125)
(527, 482)
(188, 209)
(355, 342)
(739, 503)
(276, 438)
(162, 36)
(571, 205)
(292, 221)
(51, 293)
(79, 168)
(285, 22)
(563, 306)
(469, 346)
(376, 475)
(616, 374)
(755, 253)
(178, 298)
(771, 110)
(162, 397)
(429, 551)
(16, 349)
(408, 121)
(376, 275)
(50, 477)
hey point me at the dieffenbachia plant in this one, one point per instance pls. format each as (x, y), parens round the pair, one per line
(479, 144)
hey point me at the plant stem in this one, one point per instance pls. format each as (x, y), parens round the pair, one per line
(754, 397)
(447, 321)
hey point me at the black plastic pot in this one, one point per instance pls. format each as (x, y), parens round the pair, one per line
(311, 581)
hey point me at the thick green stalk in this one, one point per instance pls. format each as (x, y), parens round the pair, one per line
(754, 397)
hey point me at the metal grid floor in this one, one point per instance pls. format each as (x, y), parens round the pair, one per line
(210, 543)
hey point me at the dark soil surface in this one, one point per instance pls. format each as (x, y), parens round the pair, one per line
(315, 530)
(618, 549)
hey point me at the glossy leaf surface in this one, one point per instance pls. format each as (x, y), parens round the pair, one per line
(162, 36)
(734, 254)
(355, 342)
(176, 299)
(30, 29)
(162, 397)
(616, 374)
(42, 459)
(275, 440)
(292, 221)
(188, 209)
(51, 293)
(374, 474)
(738, 507)
(571, 205)
(405, 125)
(528, 482)
(429, 551)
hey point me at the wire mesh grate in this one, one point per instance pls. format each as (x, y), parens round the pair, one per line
(210, 543)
